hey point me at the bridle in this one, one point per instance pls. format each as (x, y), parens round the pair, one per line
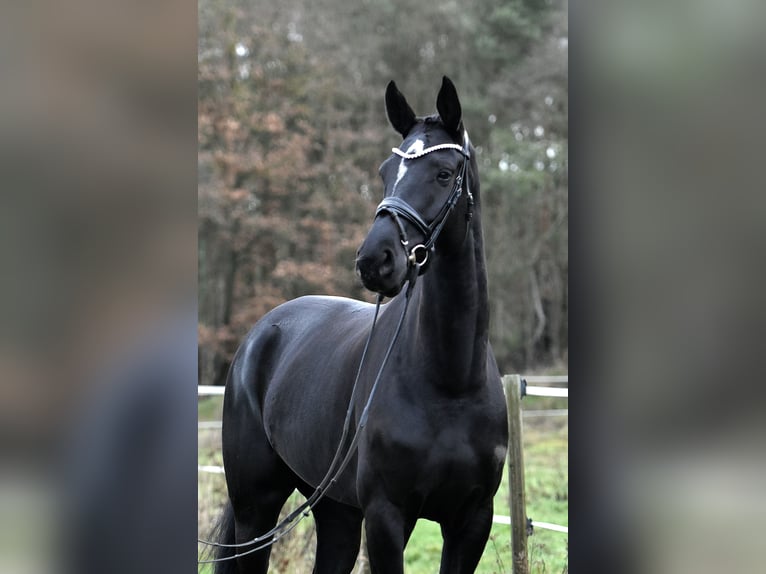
(396, 207)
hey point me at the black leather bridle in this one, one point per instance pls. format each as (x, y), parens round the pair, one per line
(396, 207)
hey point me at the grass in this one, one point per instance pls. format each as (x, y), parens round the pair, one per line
(546, 477)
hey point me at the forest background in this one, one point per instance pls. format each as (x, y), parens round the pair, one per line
(292, 129)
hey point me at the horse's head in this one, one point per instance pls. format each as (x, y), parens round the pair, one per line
(424, 181)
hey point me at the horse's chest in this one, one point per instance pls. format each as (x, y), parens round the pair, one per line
(441, 453)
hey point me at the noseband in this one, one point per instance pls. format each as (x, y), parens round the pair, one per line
(396, 207)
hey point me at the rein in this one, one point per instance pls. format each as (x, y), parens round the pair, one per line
(397, 207)
(331, 476)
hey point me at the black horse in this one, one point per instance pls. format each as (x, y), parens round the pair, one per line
(435, 439)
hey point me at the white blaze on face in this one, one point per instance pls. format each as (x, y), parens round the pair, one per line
(417, 147)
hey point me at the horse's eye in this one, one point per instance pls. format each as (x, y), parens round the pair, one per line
(444, 176)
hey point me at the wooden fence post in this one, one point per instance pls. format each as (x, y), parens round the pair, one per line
(516, 475)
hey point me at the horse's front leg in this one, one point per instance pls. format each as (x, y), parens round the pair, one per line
(464, 540)
(388, 531)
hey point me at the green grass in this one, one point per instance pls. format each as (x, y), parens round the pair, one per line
(209, 408)
(546, 478)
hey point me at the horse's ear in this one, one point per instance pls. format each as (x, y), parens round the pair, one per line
(399, 112)
(448, 106)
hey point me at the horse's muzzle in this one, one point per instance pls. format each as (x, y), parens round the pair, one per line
(381, 262)
(377, 273)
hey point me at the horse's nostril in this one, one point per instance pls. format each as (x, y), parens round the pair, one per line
(377, 267)
(387, 263)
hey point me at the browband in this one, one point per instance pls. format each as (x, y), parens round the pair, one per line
(406, 155)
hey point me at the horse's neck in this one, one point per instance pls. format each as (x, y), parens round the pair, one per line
(454, 316)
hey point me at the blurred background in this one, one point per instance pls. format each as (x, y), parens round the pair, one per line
(99, 242)
(292, 129)
(98, 212)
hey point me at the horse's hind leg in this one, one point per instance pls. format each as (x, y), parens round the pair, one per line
(254, 519)
(256, 511)
(259, 484)
(339, 533)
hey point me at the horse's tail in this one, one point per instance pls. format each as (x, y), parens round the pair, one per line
(223, 533)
